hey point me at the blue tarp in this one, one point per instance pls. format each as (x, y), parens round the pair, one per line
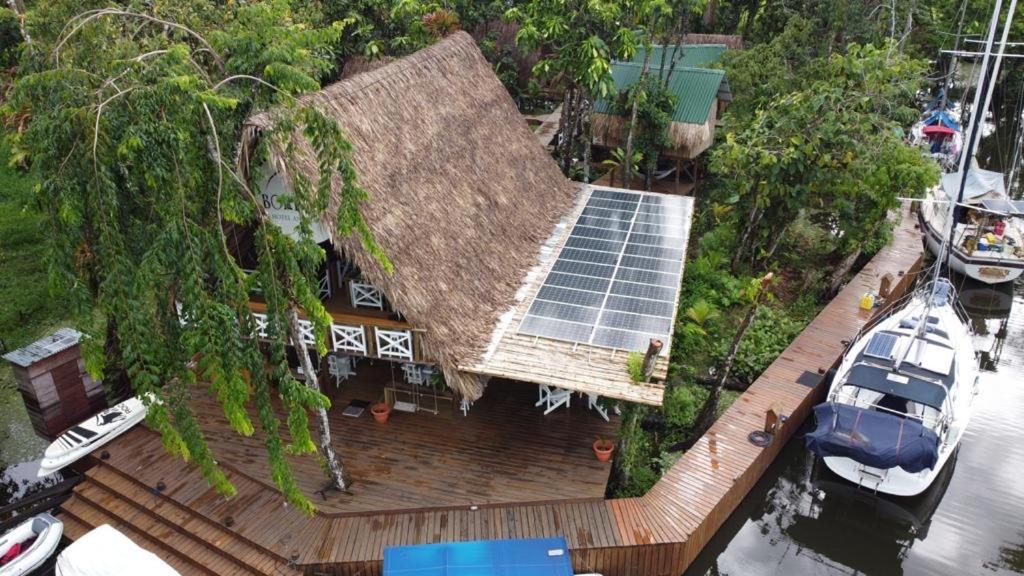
(535, 557)
(877, 439)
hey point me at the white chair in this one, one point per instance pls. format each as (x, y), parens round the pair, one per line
(552, 397)
(340, 367)
(593, 405)
(414, 374)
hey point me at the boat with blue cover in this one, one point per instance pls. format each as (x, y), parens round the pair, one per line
(901, 398)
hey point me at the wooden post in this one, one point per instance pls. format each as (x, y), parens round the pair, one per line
(885, 287)
(651, 357)
(771, 419)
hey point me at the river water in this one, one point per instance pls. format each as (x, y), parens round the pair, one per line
(802, 519)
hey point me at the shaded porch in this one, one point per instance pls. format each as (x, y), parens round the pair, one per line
(504, 450)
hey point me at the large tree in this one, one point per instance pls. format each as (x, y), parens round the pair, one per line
(136, 119)
(832, 149)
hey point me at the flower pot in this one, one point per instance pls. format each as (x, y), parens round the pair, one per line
(603, 450)
(380, 411)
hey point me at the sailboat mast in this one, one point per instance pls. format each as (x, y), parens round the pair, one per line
(982, 99)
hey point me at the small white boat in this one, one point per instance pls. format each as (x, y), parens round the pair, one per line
(988, 241)
(78, 441)
(103, 551)
(901, 398)
(29, 544)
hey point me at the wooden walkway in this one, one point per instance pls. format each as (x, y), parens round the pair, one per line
(658, 534)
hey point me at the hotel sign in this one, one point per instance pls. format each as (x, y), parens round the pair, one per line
(287, 219)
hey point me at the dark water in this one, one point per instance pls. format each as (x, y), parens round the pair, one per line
(801, 519)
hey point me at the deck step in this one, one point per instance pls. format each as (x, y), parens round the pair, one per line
(217, 538)
(80, 516)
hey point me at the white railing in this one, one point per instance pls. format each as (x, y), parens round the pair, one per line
(365, 295)
(394, 344)
(349, 338)
(261, 324)
(325, 285)
(306, 333)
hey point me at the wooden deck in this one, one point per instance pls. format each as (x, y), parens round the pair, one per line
(657, 534)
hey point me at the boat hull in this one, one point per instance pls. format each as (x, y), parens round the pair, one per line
(47, 532)
(63, 452)
(980, 267)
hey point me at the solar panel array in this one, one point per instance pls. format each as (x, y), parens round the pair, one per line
(881, 345)
(616, 280)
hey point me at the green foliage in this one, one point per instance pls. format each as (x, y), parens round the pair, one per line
(635, 366)
(136, 119)
(769, 334)
(10, 38)
(828, 147)
(681, 406)
(27, 309)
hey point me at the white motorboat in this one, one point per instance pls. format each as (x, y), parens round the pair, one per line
(901, 399)
(89, 435)
(29, 544)
(988, 242)
(103, 551)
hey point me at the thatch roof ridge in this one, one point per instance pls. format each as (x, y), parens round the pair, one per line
(461, 193)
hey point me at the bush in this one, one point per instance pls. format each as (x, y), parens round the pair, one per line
(681, 405)
(635, 365)
(769, 334)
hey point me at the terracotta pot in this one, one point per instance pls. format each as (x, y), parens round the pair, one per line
(603, 450)
(380, 411)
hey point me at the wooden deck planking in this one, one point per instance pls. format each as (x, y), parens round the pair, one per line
(659, 533)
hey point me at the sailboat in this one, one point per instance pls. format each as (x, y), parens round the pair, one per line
(986, 236)
(901, 398)
(988, 240)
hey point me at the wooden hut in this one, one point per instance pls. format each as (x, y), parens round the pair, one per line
(464, 201)
(701, 95)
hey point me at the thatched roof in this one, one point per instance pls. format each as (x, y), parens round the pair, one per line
(359, 64)
(730, 41)
(461, 193)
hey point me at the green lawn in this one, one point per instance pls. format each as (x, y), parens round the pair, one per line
(27, 309)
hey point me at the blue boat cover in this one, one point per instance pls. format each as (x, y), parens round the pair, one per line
(877, 439)
(533, 557)
(940, 118)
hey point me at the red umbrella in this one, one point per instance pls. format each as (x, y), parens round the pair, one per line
(938, 129)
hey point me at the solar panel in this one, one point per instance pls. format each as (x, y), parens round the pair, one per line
(616, 281)
(881, 345)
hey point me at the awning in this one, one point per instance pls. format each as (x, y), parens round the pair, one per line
(1003, 206)
(872, 438)
(900, 385)
(530, 557)
(938, 129)
(979, 183)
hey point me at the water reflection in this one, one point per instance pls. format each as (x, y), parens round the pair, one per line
(801, 519)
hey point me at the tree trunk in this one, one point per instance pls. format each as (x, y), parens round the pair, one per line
(339, 477)
(836, 280)
(627, 175)
(710, 408)
(19, 10)
(709, 13)
(752, 221)
(563, 129)
(115, 378)
(587, 136)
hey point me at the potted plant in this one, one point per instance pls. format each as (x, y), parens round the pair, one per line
(603, 449)
(381, 411)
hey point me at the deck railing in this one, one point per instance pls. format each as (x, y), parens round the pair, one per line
(359, 335)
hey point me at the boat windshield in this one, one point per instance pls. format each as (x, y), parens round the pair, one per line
(901, 385)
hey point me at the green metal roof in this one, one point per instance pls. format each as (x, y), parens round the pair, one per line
(688, 55)
(695, 90)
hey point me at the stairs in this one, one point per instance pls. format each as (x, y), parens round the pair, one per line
(187, 541)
